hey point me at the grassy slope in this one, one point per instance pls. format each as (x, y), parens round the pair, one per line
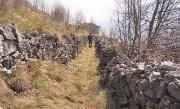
(55, 86)
(28, 20)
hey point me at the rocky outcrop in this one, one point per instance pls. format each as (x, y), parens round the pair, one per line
(144, 85)
(16, 47)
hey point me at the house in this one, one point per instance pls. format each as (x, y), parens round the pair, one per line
(90, 27)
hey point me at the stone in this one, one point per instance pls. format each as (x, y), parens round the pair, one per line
(143, 85)
(132, 103)
(174, 91)
(4, 72)
(162, 91)
(156, 74)
(173, 68)
(8, 33)
(143, 76)
(1, 42)
(123, 99)
(122, 66)
(6, 62)
(148, 68)
(177, 82)
(149, 93)
(123, 89)
(166, 64)
(130, 63)
(16, 54)
(1, 66)
(165, 103)
(141, 66)
(178, 70)
(155, 84)
(16, 33)
(147, 107)
(1, 30)
(9, 47)
(152, 104)
(169, 77)
(141, 98)
(110, 77)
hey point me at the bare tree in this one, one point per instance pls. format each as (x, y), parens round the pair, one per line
(42, 5)
(79, 17)
(162, 10)
(59, 13)
(147, 22)
(67, 17)
(18, 3)
(35, 4)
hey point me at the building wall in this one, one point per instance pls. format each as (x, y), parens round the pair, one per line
(91, 28)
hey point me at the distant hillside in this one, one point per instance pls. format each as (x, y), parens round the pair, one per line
(27, 19)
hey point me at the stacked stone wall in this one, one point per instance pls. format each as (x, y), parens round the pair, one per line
(143, 85)
(16, 47)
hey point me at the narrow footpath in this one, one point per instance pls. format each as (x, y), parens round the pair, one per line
(84, 91)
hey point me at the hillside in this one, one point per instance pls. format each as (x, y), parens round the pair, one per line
(28, 19)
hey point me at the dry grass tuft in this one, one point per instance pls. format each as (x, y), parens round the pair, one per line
(19, 82)
(5, 91)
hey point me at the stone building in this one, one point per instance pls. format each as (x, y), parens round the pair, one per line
(90, 27)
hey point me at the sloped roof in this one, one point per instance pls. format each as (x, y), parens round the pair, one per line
(85, 24)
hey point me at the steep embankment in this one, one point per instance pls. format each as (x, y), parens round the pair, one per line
(28, 19)
(55, 86)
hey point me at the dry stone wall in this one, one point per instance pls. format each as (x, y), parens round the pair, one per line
(143, 85)
(16, 46)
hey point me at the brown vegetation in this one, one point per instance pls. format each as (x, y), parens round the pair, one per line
(19, 82)
(5, 90)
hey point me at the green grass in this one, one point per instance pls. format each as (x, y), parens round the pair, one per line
(39, 84)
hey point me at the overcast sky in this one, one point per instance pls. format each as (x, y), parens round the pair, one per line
(99, 10)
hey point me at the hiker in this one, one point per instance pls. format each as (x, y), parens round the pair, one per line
(90, 40)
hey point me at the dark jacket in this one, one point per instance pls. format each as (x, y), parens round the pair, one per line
(90, 37)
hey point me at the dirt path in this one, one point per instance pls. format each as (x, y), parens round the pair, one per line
(86, 92)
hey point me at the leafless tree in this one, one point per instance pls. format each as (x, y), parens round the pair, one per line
(59, 13)
(67, 17)
(79, 17)
(18, 3)
(35, 4)
(42, 5)
(138, 21)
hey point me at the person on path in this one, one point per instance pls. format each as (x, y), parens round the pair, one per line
(90, 40)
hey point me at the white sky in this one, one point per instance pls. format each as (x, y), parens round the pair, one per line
(99, 10)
